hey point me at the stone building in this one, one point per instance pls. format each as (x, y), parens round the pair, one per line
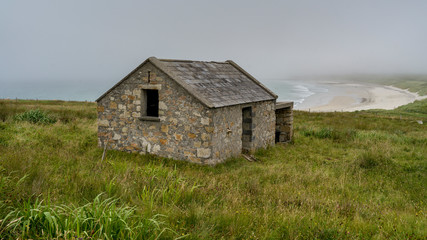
(202, 112)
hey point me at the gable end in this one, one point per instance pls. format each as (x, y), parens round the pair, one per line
(160, 66)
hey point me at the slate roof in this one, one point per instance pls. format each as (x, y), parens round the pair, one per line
(216, 84)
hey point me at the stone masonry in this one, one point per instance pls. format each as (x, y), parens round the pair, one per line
(183, 130)
(189, 126)
(227, 137)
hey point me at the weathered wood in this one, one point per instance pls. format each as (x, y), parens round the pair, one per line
(105, 150)
(250, 158)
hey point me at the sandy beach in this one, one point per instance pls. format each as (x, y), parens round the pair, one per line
(355, 96)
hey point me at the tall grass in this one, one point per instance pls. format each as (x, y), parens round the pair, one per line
(172, 189)
(355, 175)
(104, 219)
(330, 133)
(64, 111)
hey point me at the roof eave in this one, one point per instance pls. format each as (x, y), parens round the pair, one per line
(280, 105)
(245, 103)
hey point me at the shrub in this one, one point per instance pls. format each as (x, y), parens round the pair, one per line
(35, 116)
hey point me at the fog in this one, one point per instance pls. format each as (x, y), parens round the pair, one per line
(100, 41)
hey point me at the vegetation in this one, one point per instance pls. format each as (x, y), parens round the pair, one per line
(412, 82)
(35, 116)
(415, 109)
(97, 219)
(64, 111)
(359, 175)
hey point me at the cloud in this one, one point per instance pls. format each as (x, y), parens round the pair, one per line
(101, 41)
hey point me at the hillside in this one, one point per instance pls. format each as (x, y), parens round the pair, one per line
(353, 175)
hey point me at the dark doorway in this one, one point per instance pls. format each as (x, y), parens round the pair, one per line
(246, 129)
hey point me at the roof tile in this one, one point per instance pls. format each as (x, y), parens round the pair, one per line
(219, 82)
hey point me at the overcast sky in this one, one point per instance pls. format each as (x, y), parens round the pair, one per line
(101, 41)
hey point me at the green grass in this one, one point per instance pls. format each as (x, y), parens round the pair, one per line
(64, 111)
(412, 82)
(35, 116)
(97, 219)
(417, 109)
(358, 175)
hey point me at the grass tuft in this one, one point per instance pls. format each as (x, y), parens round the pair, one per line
(104, 219)
(373, 158)
(35, 116)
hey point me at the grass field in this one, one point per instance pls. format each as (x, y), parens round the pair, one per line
(360, 175)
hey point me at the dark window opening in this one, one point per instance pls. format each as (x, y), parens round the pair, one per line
(152, 102)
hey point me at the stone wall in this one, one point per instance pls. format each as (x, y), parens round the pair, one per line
(227, 137)
(284, 122)
(183, 129)
(264, 120)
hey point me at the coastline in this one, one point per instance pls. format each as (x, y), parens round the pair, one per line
(349, 97)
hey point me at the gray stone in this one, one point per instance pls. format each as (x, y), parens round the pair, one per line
(204, 121)
(163, 106)
(117, 136)
(203, 152)
(103, 123)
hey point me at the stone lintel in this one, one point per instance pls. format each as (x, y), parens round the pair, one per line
(151, 86)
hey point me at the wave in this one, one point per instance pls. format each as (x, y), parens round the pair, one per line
(295, 91)
(302, 90)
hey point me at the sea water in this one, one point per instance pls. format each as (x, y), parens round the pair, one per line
(286, 89)
(296, 91)
(43, 90)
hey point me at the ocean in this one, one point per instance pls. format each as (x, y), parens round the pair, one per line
(68, 91)
(295, 90)
(287, 90)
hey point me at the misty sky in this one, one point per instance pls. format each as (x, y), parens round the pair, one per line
(101, 41)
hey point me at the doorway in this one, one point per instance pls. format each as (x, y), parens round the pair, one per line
(246, 129)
